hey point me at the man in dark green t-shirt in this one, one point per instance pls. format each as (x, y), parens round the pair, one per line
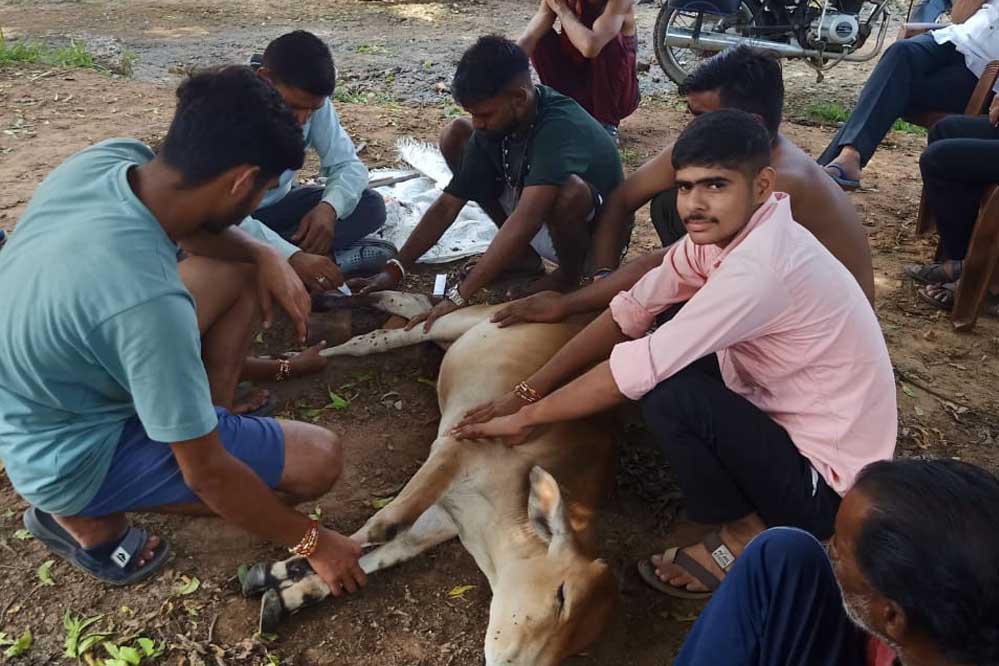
(533, 159)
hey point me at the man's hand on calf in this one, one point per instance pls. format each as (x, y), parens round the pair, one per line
(335, 560)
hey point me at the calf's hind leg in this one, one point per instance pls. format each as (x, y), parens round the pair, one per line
(295, 586)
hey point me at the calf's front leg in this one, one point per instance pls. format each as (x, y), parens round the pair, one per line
(292, 585)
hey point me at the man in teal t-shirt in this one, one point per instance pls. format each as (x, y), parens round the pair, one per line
(533, 159)
(111, 352)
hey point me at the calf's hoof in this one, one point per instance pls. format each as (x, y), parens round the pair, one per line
(271, 612)
(257, 580)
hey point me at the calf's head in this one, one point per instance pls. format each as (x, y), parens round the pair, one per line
(554, 603)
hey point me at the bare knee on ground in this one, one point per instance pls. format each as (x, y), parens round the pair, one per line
(452, 141)
(313, 460)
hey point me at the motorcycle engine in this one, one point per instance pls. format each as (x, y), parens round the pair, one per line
(835, 28)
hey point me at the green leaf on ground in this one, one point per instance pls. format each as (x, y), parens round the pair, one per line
(920, 411)
(459, 591)
(908, 390)
(381, 502)
(23, 535)
(317, 514)
(188, 585)
(75, 626)
(45, 573)
(266, 638)
(21, 645)
(150, 648)
(337, 402)
(241, 573)
(429, 382)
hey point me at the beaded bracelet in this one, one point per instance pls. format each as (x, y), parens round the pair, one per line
(525, 392)
(307, 546)
(284, 370)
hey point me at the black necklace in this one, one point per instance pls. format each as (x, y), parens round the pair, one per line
(515, 184)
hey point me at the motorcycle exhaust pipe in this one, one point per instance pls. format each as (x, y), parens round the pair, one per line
(717, 41)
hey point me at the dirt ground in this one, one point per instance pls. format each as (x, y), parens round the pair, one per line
(947, 382)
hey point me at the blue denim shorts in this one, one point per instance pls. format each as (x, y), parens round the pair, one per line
(144, 473)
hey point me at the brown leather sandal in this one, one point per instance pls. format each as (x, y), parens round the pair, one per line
(720, 553)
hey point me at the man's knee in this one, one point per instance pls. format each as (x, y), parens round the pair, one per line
(452, 140)
(574, 200)
(675, 398)
(319, 462)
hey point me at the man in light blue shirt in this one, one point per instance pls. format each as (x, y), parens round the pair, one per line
(328, 220)
(114, 357)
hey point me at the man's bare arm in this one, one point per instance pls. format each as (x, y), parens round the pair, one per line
(591, 41)
(637, 190)
(513, 237)
(541, 22)
(964, 10)
(551, 306)
(233, 244)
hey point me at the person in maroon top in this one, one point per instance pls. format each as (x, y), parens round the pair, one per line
(911, 578)
(592, 59)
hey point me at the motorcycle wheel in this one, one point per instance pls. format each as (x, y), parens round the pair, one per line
(679, 62)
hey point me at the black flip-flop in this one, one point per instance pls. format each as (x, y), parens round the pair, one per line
(719, 552)
(114, 566)
(364, 257)
(938, 272)
(846, 183)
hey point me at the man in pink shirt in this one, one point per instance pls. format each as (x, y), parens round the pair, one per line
(769, 389)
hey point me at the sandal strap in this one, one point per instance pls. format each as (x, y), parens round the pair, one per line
(719, 552)
(132, 543)
(693, 567)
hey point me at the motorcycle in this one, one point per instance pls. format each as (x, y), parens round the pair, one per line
(823, 33)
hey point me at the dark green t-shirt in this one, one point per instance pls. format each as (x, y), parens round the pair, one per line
(565, 141)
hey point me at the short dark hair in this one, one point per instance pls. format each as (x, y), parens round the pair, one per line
(226, 117)
(487, 68)
(930, 543)
(746, 78)
(301, 60)
(729, 138)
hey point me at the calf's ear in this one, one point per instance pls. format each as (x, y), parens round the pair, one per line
(547, 511)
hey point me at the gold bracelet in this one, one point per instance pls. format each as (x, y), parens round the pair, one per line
(307, 546)
(525, 392)
(284, 370)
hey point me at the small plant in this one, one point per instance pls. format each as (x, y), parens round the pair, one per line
(74, 55)
(827, 112)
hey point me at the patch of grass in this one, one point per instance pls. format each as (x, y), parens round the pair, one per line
(833, 113)
(19, 52)
(353, 95)
(370, 49)
(907, 128)
(629, 155)
(75, 55)
(827, 112)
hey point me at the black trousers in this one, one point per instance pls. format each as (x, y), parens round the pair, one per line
(285, 215)
(962, 158)
(731, 459)
(915, 74)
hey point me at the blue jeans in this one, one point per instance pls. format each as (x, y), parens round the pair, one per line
(779, 606)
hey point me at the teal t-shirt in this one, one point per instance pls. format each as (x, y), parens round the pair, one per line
(96, 327)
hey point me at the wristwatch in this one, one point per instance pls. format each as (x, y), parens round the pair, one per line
(454, 295)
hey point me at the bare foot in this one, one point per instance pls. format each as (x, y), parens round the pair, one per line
(849, 161)
(251, 401)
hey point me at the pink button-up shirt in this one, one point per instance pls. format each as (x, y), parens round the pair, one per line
(793, 332)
